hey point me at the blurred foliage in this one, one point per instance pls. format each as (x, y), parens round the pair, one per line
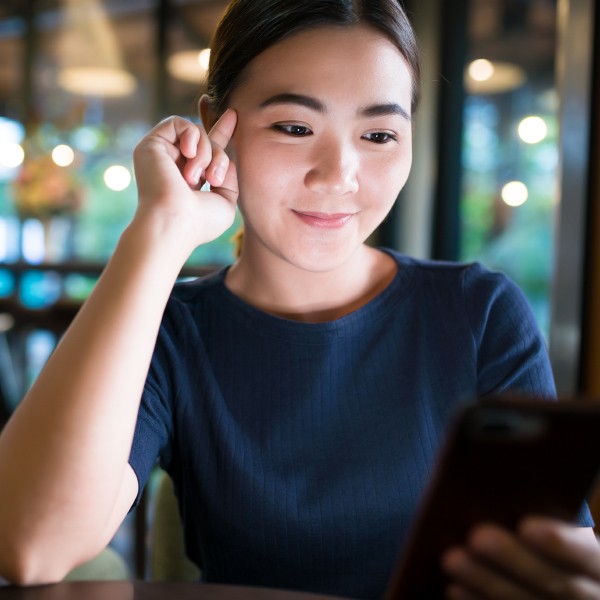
(515, 240)
(102, 213)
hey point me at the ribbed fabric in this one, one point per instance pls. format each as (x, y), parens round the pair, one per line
(300, 451)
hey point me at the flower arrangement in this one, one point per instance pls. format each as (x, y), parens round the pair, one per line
(42, 189)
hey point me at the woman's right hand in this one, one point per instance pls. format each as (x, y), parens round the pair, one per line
(172, 162)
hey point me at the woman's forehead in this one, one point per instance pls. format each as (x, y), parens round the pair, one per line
(330, 61)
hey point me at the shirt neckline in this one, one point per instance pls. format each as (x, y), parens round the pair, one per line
(353, 323)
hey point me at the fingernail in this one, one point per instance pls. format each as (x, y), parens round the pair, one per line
(197, 174)
(219, 173)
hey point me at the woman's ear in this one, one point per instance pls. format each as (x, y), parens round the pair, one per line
(207, 114)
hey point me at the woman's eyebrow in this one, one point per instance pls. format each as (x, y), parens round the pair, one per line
(382, 110)
(375, 110)
(289, 98)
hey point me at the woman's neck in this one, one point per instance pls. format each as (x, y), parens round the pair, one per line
(280, 288)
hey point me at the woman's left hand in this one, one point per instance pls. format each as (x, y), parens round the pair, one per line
(545, 558)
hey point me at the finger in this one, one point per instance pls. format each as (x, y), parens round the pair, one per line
(182, 136)
(506, 553)
(195, 169)
(182, 141)
(189, 141)
(223, 129)
(217, 170)
(221, 134)
(229, 188)
(574, 547)
(212, 165)
(211, 161)
(457, 592)
(481, 580)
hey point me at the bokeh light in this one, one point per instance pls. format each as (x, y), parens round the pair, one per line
(532, 130)
(63, 155)
(515, 193)
(117, 178)
(481, 69)
(11, 155)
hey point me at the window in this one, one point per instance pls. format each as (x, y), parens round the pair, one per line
(80, 85)
(510, 143)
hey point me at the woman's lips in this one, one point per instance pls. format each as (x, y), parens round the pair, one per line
(323, 220)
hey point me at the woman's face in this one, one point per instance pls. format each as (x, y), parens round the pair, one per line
(322, 145)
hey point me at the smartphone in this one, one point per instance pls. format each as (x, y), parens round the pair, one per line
(502, 460)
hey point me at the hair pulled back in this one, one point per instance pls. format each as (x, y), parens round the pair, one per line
(249, 27)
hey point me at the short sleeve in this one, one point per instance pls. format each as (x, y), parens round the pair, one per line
(584, 517)
(152, 440)
(511, 351)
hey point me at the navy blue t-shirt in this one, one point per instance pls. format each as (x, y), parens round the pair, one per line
(299, 451)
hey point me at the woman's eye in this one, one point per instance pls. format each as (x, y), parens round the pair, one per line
(294, 130)
(380, 137)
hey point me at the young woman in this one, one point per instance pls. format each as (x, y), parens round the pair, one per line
(298, 397)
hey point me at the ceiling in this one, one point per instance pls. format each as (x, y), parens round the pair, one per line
(121, 34)
(517, 31)
(124, 33)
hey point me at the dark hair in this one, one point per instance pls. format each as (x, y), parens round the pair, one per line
(249, 27)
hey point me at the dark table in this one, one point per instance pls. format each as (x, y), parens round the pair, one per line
(140, 590)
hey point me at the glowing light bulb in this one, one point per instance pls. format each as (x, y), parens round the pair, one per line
(515, 193)
(533, 130)
(63, 155)
(204, 58)
(117, 178)
(11, 155)
(481, 69)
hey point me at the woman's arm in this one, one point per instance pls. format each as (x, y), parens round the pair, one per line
(65, 483)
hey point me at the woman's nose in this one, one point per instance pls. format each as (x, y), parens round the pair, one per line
(334, 170)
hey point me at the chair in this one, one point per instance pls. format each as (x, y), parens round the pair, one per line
(168, 561)
(108, 565)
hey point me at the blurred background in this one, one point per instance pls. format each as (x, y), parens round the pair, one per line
(505, 148)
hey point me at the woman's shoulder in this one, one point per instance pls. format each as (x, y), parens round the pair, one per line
(191, 290)
(189, 297)
(471, 288)
(442, 271)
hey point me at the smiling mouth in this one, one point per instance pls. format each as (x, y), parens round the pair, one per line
(324, 220)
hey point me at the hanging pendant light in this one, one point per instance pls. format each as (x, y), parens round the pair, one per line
(89, 54)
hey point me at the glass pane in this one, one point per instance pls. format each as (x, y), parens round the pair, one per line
(510, 145)
(12, 132)
(189, 34)
(94, 87)
(89, 106)
(81, 81)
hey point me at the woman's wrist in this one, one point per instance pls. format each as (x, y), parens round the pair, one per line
(152, 235)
